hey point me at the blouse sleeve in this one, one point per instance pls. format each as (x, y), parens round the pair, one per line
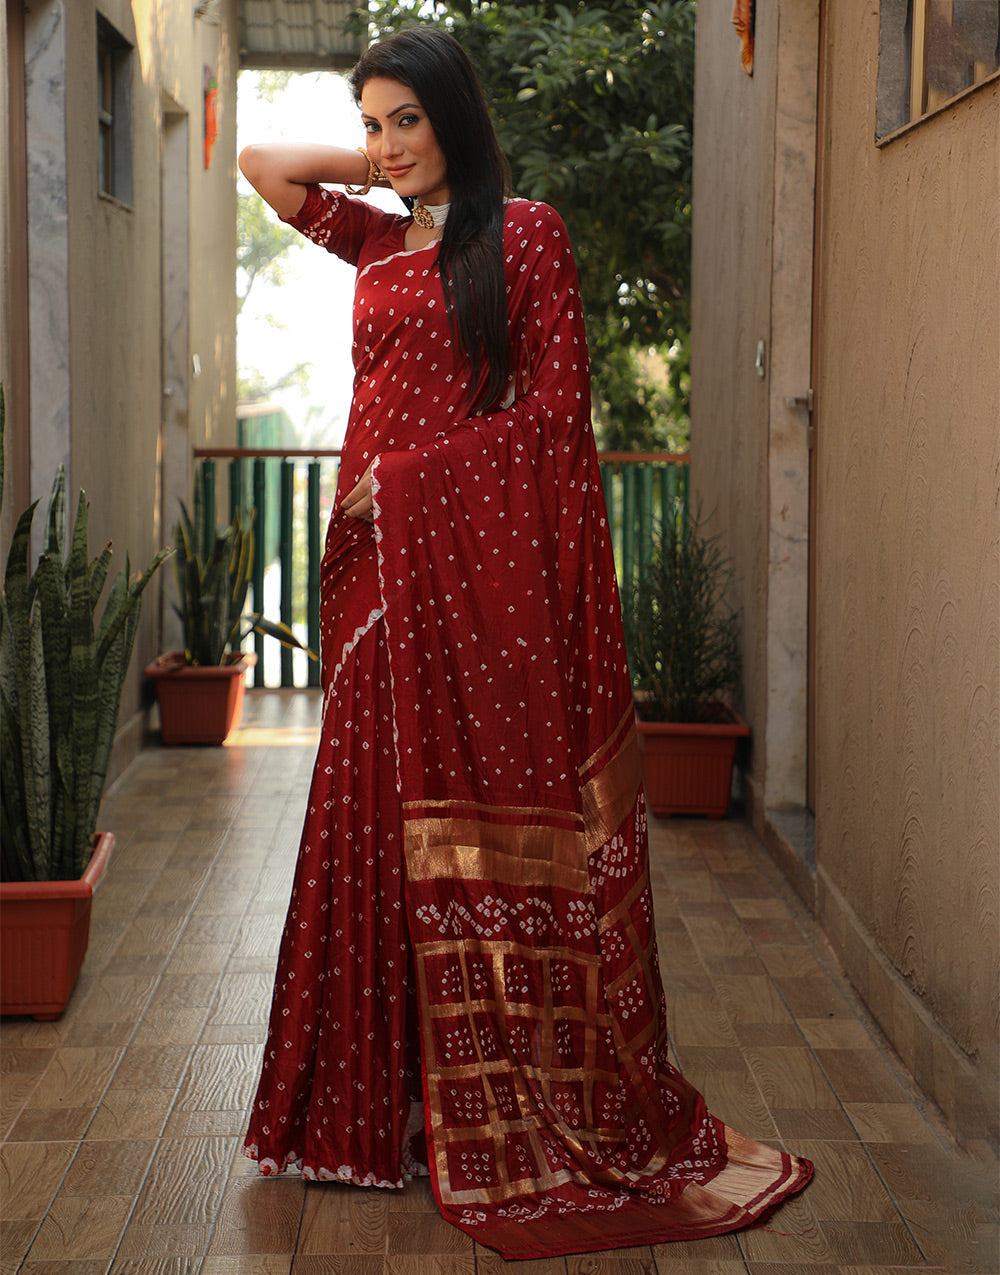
(337, 223)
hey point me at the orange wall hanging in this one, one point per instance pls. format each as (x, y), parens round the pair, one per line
(211, 88)
(743, 21)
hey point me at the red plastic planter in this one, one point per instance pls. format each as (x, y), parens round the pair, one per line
(199, 705)
(44, 932)
(687, 767)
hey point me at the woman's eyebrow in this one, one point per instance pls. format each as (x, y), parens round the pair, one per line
(395, 111)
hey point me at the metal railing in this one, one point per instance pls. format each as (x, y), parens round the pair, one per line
(642, 490)
(289, 493)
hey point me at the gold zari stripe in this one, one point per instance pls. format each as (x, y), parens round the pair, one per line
(529, 846)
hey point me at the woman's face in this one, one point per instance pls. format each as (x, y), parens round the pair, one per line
(402, 142)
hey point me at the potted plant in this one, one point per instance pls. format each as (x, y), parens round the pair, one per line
(200, 689)
(683, 648)
(61, 676)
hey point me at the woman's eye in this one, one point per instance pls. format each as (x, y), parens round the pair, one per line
(408, 119)
(371, 126)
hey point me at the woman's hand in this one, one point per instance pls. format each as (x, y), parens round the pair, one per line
(358, 501)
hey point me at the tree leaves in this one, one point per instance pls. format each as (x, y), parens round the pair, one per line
(261, 246)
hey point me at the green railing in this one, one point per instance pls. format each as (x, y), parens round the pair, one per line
(641, 489)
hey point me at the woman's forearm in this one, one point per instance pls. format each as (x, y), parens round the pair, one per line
(280, 171)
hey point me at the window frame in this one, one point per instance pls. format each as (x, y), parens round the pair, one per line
(903, 51)
(114, 114)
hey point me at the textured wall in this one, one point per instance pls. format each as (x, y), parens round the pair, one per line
(113, 282)
(755, 151)
(908, 419)
(46, 104)
(734, 150)
(907, 515)
(9, 513)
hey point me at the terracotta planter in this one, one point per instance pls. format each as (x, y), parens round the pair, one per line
(687, 767)
(199, 705)
(44, 932)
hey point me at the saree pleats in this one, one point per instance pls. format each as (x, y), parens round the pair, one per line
(334, 1096)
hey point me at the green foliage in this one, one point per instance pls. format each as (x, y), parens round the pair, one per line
(261, 246)
(635, 403)
(61, 677)
(212, 591)
(269, 84)
(253, 387)
(594, 109)
(683, 638)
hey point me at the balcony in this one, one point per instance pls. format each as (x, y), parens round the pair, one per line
(122, 1121)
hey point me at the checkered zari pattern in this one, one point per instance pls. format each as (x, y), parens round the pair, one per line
(544, 1036)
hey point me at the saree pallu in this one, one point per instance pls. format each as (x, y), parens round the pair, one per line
(476, 817)
(555, 1120)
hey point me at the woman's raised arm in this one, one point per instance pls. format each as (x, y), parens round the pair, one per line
(280, 171)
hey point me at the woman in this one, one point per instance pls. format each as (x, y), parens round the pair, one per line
(470, 925)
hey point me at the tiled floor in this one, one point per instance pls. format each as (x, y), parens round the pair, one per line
(122, 1121)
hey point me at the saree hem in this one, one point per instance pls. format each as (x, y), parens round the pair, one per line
(346, 1174)
(629, 1221)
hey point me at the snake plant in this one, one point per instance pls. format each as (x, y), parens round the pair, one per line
(212, 590)
(61, 676)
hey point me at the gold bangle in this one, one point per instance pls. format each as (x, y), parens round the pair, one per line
(374, 174)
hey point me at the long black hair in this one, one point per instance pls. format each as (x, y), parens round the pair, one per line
(435, 66)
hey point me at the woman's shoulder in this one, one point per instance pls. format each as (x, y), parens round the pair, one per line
(532, 217)
(534, 232)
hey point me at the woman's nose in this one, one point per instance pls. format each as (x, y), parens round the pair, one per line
(390, 142)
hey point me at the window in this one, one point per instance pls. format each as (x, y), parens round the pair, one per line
(931, 51)
(114, 114)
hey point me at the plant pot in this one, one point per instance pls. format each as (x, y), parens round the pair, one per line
(44, 933)
(198, 704)
(687, 767)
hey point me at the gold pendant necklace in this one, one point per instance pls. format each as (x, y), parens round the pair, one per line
(429, 215)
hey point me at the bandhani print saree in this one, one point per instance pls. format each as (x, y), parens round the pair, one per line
(471, 922)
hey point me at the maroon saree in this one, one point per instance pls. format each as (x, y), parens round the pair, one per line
(471, 920)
